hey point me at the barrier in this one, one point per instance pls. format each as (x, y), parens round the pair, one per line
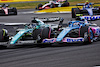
(58, 9)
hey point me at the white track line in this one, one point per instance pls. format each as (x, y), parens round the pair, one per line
(29, 12)
(5, 23)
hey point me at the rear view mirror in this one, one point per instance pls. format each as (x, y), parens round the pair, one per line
(61, 21)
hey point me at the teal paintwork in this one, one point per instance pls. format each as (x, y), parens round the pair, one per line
(19, 34)
(40, 23)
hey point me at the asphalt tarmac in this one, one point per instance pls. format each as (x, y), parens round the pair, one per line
(58, 55)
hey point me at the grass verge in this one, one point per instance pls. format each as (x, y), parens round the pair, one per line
(26, 5)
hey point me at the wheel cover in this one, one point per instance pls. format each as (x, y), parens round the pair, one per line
(91, 34)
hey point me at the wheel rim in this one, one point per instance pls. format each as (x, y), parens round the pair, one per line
(38, 37)
(91, 34)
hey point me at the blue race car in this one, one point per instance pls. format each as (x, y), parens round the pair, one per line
(76, 31)
(88, 11)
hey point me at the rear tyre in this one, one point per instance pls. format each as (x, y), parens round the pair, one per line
(4, 36)
(83, 30)
(15, 11)
(52, 5)
(40, 5)
(36, 35)
(1, 35)
(46, 32)
(65, 4)
(36, 8)
(74, 12)
(2, 12)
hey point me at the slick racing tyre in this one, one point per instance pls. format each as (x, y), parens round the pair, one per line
(52, 5)
(2, 12)
(65, 4)
(74, 12)
(46, 32)
(1, 36)
(4, 35)
(87, 34)
(15, 11)
(36, 8)
(91, 36)
(36, 34)
(12, 9)
(83, 30)
(40, 6)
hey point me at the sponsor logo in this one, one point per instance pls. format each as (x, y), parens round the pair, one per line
(79, 14)
(48, 40)
(75, 40)
(91, 17)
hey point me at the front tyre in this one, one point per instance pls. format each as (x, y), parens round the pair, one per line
(14, 10)
(91, 36)
(87, 34)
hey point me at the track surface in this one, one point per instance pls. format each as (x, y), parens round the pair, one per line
(69, 55)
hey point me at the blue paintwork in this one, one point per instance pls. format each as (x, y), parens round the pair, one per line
(18, 35)
(89, 8)
(64, 33)
(90, 11)
(72, 25)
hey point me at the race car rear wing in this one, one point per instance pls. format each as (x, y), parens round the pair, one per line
(82, 4)
(49, 19)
